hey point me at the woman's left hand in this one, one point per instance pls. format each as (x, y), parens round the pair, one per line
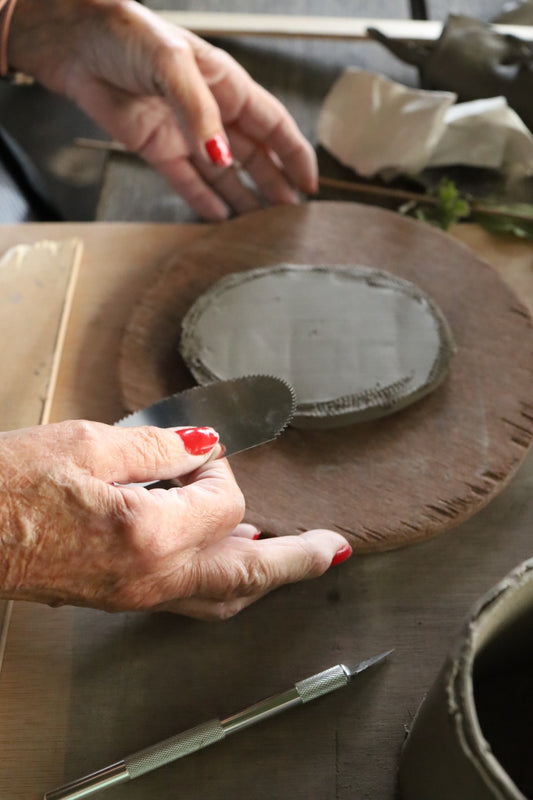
(170, 97)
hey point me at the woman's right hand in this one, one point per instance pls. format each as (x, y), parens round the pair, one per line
(73, 532)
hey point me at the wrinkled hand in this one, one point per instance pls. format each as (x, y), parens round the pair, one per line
(164, 93)
(70, 533)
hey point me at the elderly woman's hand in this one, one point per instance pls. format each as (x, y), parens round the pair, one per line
(72, 533)
(167, 95)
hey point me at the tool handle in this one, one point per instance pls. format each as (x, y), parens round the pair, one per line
(175, 747)
(95, 782)
(322, 683)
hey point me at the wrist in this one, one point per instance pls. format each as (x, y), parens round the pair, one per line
(14, 16)
(7, 8)
(45, 37)
(34, 37)
(9, 563)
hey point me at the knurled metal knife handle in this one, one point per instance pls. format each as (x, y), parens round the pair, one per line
(322, 683)
(209, 732)
(143, 761)
(176, 747)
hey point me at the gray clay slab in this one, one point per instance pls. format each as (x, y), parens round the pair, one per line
(355, 343)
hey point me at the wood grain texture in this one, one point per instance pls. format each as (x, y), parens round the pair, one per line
(389, 482)
(119, 263)
(36, 290)
(37, 283)
(82, 688)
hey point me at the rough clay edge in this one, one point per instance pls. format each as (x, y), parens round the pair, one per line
(364, 406)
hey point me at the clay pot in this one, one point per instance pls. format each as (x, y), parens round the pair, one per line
(471, 738)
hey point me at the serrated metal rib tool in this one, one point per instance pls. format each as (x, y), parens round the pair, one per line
(213, 731)
(244, 411)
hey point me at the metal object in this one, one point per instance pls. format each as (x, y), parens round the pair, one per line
(245, 411)
(210, 732)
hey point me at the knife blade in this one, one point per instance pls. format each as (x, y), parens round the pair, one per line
(245, 411)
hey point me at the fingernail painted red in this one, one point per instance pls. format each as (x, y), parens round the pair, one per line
(257, 535)
(341, 555)
(219, 152)
(198, 441)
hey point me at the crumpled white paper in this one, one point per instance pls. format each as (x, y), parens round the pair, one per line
(377, 126)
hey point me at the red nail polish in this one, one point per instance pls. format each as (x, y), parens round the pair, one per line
(198, 441)
(219, 152)
(341, 555)
(257, 535)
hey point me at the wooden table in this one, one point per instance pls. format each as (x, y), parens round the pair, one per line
(80, 689)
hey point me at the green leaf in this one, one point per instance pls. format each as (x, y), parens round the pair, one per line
(504, 224)
(449, 209)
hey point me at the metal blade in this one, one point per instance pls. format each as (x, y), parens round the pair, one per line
(369, 662)
(244, 411)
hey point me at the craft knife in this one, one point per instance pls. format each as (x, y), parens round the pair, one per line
(210, 732)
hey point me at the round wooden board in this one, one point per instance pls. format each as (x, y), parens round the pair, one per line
(396, 480)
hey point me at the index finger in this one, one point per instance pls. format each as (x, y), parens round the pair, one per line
(247, 106)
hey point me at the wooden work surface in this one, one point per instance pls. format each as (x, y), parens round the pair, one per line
(80, 688)
(432, 465)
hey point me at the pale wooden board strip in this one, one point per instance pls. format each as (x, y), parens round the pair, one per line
(36, 289)
(231, 24)
(37, 284)
(6, 609)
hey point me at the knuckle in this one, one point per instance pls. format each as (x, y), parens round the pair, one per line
(151, 447)
(177, 48)
(236, 506)
(150, 549)
(250, 576)
(84, 432)
(223, 515)
(80, 444)
(314, 561)
(236, 511)
(141, 536)
(172, 58)
(223, 59)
